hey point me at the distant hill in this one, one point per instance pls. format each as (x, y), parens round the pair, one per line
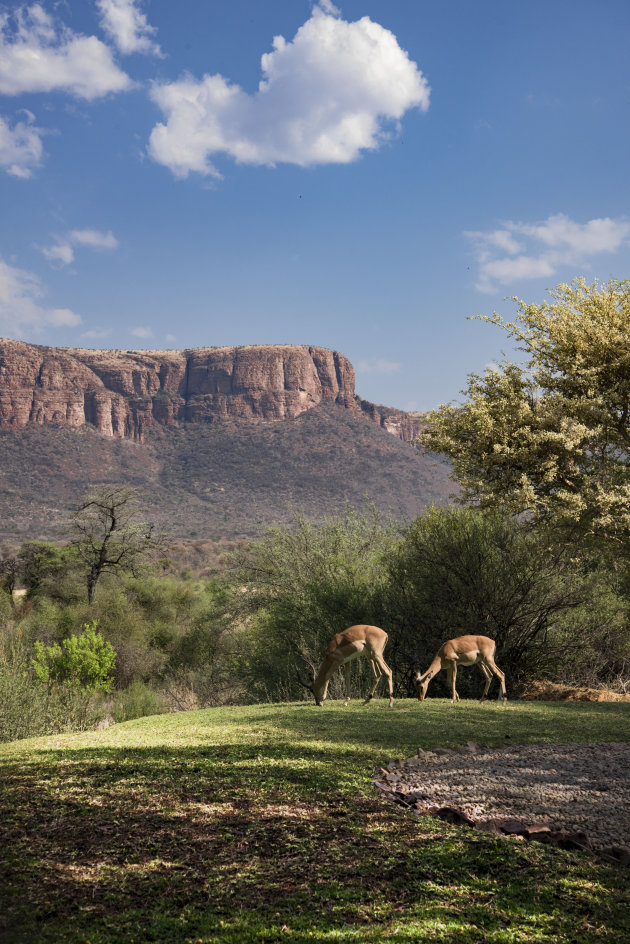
(221, 479)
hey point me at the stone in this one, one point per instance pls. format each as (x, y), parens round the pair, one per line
(538, 831)
(573, 840)
(489, 826)
(453, 815)
(512, 827)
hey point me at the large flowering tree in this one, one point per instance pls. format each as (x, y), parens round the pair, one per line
(551, 436)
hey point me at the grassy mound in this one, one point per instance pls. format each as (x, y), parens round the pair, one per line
(260, 824)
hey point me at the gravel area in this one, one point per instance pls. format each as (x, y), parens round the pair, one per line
(579, 789)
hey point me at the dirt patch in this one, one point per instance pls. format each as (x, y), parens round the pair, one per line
(551, 691)
(573, 795)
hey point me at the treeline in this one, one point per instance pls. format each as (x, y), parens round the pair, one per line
(167, 639)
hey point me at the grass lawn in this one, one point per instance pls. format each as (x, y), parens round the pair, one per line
(260, 824)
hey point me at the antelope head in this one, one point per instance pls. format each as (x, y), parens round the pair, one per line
(421, 681)
(310, 686)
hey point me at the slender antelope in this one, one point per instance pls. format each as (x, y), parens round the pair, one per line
(342, 648)
(465, 650)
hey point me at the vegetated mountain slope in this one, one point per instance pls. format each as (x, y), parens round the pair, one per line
(220, 479)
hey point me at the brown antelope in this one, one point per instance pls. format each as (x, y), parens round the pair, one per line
(465, 650)
(342, 648)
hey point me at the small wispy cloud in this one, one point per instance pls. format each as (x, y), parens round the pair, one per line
(21, 147)
(378, 366)
(128, 27)
(142, 332)
(62, 250)
(21, 303)
(517, 251)
(96, 334)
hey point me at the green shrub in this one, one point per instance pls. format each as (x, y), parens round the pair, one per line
(84, 661)
(137, 701)
(30, 707)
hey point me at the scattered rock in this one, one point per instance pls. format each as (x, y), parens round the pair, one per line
(575, 796)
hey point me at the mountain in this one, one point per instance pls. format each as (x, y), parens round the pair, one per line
(221, 441)
(125, 393)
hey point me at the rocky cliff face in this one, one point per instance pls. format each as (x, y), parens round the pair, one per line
(123, 393)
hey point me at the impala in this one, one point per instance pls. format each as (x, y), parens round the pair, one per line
(465, 650)
(355, 641)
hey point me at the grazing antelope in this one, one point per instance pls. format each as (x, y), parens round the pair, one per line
(465, 650)
(342, 648)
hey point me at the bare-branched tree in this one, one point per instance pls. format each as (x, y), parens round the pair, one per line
(108, 535)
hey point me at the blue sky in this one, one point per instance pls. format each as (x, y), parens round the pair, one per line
(361, 176)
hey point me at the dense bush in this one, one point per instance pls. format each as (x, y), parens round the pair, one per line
(300, 586)
(30, 706)
(459, 572)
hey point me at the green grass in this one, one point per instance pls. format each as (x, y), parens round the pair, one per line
(260, 824)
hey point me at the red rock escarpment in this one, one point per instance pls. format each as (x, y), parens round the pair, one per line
(124, 393)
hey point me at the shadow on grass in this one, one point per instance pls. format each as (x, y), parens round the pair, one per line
(268, 841)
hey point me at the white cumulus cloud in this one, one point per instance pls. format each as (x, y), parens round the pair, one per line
(21, 307)
(325, 96)
(142, 332)
(62, 251)
(538, 250)
(21, 147)
(38, 54)
(128, 27)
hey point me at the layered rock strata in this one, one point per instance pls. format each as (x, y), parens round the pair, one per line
(124, 393)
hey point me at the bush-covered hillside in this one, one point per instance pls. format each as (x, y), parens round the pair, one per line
(221, 480)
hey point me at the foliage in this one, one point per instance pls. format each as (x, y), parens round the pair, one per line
(551, 437)
(43, 566)
(182, 643)
(30, 707)
(302, 585)
(589, 645)
(260, 823)
(459, 572)
(138, 700)
(84, 661)
(107, 535)
(10, 573)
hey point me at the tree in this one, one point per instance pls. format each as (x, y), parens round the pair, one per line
(43, 566)
(107, 535)
(551, 437)
(10, 573)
